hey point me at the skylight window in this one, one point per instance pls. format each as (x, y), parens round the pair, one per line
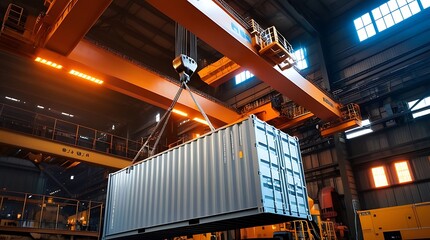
(243, 76)
(387, 15)
(359, 131)
(364, 27)
(425, 3)
(393, 12)
(415, 105)
(300, 56)
(379, 176)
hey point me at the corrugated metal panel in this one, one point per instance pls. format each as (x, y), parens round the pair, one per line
(325, 157)
(406, 194)
(421, 166)
(399, 136)
(246, 174)
(424, 189)
(307, 161)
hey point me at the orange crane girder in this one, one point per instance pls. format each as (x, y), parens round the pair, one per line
(211, 23)
(136, 81)
(75, 21)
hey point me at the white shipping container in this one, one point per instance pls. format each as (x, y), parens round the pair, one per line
(246, 174)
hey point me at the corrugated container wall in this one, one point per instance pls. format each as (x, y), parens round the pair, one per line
(246, 174)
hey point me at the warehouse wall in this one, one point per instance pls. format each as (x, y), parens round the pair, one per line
(382, 74)
(410, 142)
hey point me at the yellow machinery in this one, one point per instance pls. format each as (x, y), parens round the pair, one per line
(296, 230)
(400, 222)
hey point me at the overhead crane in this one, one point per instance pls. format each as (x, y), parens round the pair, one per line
(269, 59)
(264, 51)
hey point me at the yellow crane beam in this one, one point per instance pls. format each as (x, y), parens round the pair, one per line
(62, 150)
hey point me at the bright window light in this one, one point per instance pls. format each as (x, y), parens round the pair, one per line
(422, 104)
(393, 12)
(403, 173)
(425, 3)
(379, 176)
(364, 27)
(157, 117)
(359, 131)
(301, 62)
(243, 76)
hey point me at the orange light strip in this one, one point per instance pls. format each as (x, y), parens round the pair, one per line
(200, 120)
(180, 112)
(85, 76)
(49, 63)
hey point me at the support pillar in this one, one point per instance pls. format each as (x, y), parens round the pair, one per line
(350, 191)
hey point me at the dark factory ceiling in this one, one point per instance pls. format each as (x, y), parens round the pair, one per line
(137, 30)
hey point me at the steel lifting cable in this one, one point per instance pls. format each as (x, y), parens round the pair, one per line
(168, 112)
(181, 46)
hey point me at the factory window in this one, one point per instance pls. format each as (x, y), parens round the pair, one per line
(425, 3)
(393, 12)
(379, 176)
(403, 172)
(300, 56)
(359, 131)
(364, 27)
(420, 104)
(243, 76)
(157, 117)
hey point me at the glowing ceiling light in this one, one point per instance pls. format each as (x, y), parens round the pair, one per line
(180, 112)
(85, 76)
(200, 120)
(67, 114)
(12, 99)
(49, 63)
(41, 107)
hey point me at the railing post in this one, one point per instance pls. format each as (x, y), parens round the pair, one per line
(1, 203)
(126, 147)
(89, 215)
(77, 135)
(100, 219)
(111, 144)
(23, 209)
(1, 109)
(53, 130)
(41, 211)
(76, 215)
(56, 218)
(95, 139)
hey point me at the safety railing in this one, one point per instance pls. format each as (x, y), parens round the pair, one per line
(47, 127)
(35, 211)
(291, 110)
(14, 18)
(271, 35)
